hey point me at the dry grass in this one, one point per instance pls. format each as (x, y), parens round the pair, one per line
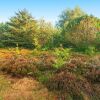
(23, 89)
(79, 77)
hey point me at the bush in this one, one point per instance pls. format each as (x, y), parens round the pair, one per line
(79, 77)
(61, 55)
(82, 31)
(45, 60)
(76, 65)
(67, 82)
(85, 66)
(93, 72)
(93, 75)
(18, 65)
(90, 50)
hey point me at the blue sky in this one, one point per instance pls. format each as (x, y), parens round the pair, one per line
(47, 9)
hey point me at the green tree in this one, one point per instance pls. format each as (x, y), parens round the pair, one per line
(3, 32)
(3, 28)
(68, 15)
(82, 31)
(23, 26)
(45, 32)
(57, 39)
(64, 19)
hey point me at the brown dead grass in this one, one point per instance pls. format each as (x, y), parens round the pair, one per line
(27, 89)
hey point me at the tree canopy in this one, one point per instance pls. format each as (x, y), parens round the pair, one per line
(23, 26)
(74, 29)
(68, 15)
(82, 30)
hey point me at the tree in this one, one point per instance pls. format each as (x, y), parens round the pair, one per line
(68, 15)
(3, 28)
(55, 40)
(64, 19)
(3, 32)
(82, 32)
(23, 26)
(45, 32)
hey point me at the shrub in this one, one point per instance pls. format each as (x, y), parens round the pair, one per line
(93, 73)
(76, 64)
(85, 66)
(45, 61)
(76, 85)
(90, 50)
(82, 31)
(78, 77)
(61, 55)
(18, 65)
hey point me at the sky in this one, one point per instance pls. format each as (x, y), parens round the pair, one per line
(47, 9)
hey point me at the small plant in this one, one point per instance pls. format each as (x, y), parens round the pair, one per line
(61, 56)
(90, 50)
(17, 49)
(58, 63)
(36, 43)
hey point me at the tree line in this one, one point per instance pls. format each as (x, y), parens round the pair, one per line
(74, 29)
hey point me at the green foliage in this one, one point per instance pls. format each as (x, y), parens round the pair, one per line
(58, 63)
(97, 41)
(43, 76)
(69, 15)
(90, 50)
(54, 41)
(3, 30)
(45, 34)
(82, 32)
(23, 27)
(36, 43)
(17, 49)
(75, 29)
(1, 45)
(78, 29)
(61, 52)
(65, 18)
(61, 56)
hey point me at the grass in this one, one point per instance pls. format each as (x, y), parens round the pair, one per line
(4, 85)
(37, 86)
(25, 88)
